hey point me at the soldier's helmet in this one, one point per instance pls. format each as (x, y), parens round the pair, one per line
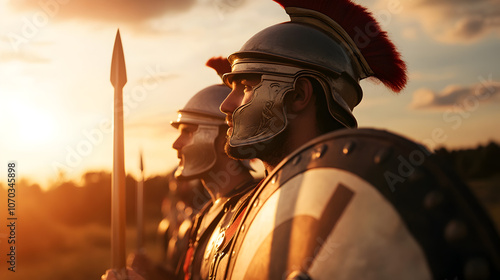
(202, 110)
(337, 43)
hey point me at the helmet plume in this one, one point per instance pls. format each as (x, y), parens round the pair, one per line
(219, 64)
(376, 48)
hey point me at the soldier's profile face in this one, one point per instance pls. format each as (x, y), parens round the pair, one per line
(185, 137)
(242, 92)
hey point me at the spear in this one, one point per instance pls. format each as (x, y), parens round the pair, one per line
(118, 80)
(140, 207)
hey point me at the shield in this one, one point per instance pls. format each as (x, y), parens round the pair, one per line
(364, 204)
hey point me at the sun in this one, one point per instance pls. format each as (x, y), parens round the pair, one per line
(36, 127)
(30, 125)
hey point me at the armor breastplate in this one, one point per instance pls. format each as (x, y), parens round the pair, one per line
(202, 227)
(206, 224)
(356, 204)
(177, 244)
(215, 258)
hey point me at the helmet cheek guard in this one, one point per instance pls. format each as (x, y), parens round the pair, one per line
(264, 116)
(199, 156)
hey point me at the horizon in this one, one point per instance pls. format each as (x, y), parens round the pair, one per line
(78, 180)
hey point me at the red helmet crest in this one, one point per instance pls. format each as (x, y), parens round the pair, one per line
(378, 51)
(219, 64)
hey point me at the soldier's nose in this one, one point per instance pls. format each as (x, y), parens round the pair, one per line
(229, 104)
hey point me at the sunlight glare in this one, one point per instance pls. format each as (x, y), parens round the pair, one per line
(34, 126)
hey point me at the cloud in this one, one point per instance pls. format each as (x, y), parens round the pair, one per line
(428, 76)
(152, 125)
(456, 97)
(128, 11)
(159, 77)
(456, 20)
(22, 57)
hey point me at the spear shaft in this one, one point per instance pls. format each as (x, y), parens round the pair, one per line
(118, 80)
(140, 208)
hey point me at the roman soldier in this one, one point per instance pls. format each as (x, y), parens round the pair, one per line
(339, 202)
(200, 148)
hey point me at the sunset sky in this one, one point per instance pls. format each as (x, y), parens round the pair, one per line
(56, 97)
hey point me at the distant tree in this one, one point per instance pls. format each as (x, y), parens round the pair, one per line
(479, 162)
(74, 205)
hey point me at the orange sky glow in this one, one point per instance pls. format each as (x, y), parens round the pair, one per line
(56, 97)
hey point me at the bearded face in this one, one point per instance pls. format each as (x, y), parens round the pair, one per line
(271, 151)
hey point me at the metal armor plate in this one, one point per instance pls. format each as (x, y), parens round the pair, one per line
(364, 204)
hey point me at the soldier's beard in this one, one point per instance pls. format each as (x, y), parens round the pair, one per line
(271, 151)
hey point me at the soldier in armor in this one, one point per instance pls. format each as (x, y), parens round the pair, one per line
(200, 148)
(338, 202)
(179, 211)
(228, 182)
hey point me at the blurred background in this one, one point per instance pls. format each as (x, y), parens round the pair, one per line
(56, 105)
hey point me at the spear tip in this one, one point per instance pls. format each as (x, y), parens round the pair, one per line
(118, 70)
(141, 163)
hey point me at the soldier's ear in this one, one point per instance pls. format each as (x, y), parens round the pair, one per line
(301, 96)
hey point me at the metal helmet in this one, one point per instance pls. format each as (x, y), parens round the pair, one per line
(319, 42)
(202, 110)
